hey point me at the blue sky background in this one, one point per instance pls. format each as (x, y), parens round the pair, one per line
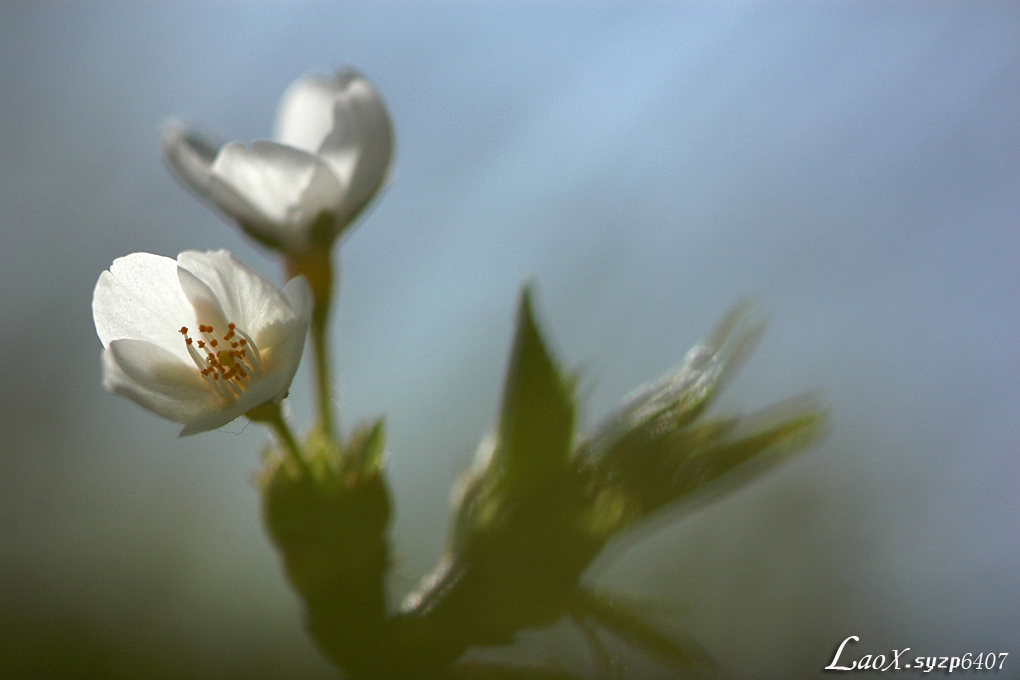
(853, 166)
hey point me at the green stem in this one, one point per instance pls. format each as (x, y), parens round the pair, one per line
(316, 266)
(270, 414)
(286, 436)
(320, 347)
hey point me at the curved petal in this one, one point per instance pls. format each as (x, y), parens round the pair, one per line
(301, 298)
(239, 208)
(285, 342)
(272, 386)
(189, 155)
(157, 380)
(305, 115)
(359, 149)
(284, 358)
(207, 307)
(246, 298)
(140, 298)
(287, 353)
(280, 188)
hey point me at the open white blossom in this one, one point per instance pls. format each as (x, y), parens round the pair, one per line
(332, 154)
(200, 340)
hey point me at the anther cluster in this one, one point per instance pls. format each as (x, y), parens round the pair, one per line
(228, 365)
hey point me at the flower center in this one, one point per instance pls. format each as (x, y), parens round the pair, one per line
(231, 361)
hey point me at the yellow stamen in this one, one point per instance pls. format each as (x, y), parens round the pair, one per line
(228, 371)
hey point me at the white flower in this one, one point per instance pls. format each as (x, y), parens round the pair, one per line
(332, 154)
(200, 340)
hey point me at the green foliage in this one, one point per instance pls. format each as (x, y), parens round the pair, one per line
(515, 552)
(328, 516)
(655, 450)
(540, 502)
(536, 508)
(536, 422)
(679, 651)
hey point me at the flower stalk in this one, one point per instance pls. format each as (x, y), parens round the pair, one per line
(271, 414)
(316, 266)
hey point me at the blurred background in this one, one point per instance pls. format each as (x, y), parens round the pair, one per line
(853, 166)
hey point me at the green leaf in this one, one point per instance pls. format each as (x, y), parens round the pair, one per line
(678, 650)
(749, 446)
(679, 397)
(656, 451)
(364, 450)
(536, 421)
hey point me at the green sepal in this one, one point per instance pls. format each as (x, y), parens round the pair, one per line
(328, 516)
(529, 519)
(322, 233)
(259, 236)
(364, 452)
(694, 465)
(536, 420)
(515, 551)
(655, 450)
(678, 650)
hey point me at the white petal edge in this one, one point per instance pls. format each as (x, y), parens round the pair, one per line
(280, 186)
(247, 298)
(189, 155)
(305, 115)
(157, 380)
(286, 348)
(271, 387)
(207, 308)
(140, 298)
(301, 298)
(360, 147)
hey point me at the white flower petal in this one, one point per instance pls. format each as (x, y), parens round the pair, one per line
(272, 387)
(305, 115)
(286, 341)
(284, 189)
(140, 298)
(189, 155)
(287, 351)
(301, 298)
(247, 299)
(207, 308)
(334, 155)
(140, 306)
(157, 380)
(359, 149)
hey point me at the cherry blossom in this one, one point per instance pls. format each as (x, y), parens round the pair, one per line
(199, 340)
(334, 144)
